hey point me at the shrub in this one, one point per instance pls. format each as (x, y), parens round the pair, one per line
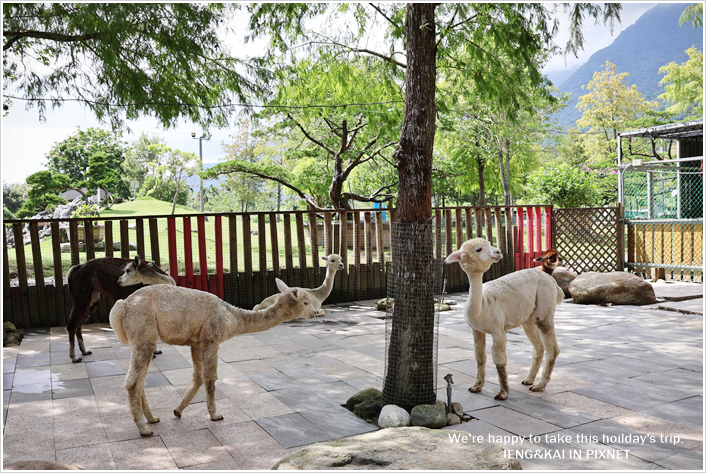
(561, 185)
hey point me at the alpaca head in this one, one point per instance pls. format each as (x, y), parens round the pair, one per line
(550, 260)
(298, 302)
(334, 262)
(475, 256)
(137, 272)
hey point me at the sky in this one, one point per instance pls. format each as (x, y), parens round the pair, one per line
(26, 141)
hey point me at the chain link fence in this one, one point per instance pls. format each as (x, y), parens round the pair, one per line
(663, 204)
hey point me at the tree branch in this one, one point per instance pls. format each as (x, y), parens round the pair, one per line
(62, 38)
(311, 138)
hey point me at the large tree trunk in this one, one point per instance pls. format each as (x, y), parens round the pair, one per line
(409, 373)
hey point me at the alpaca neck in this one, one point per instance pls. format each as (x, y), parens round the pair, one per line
(240, 321)
(474, 304)
(323, 291)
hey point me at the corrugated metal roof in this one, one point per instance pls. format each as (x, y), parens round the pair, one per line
(693, 129)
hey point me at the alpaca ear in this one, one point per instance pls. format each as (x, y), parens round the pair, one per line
(454, 257)
(324, 258)
(539, 259)
(137, 262)
(281, 285)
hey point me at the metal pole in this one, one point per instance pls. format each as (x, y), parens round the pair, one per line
(201, 178)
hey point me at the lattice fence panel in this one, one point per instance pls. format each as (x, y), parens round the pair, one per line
(587, 239)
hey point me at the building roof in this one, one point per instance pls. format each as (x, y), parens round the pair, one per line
(692, 130)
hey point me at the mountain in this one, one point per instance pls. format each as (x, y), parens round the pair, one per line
(654, 40)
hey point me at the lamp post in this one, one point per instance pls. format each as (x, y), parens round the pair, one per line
(201, 138)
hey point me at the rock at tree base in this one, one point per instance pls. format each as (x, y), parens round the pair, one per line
(452, 419)
(615, 287)
(370, 394)
(401, 448)
(563, 278)
(393, 416)
(432, 416)
(367, 410)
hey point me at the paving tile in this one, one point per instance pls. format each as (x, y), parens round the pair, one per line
(611, 433)
(198, 447)
(33, 360)
(88, 457)
(108, 384)
(688, 412)
(142, 454)
(338, 422)
(590, 406)
(231, 354)
(155, 380)
(309, 375)
(623, 394)
(655, 426)
(261, 405)
(30, 393)
(684, 461)
(514, 422)
(249, 444)
(65, 372)
(59, 346)
(228, 464)
(302, 399)
(99, 369)
(79, 431)
(562, 416)
(171, 362)
(293, 430)
(252, 366)
(275, 381)
(37, 375)
(71, 388)
(8, 364)
(32, 348)
(365, 383)
(98, 354)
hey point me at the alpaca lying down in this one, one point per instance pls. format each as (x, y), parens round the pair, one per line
(183, 316)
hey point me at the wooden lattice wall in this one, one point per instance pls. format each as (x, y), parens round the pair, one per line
(588, 239)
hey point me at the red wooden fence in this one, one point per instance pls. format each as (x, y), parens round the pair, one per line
(532, 222)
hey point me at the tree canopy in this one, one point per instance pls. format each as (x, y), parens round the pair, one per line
(684, 85)
(126, 60)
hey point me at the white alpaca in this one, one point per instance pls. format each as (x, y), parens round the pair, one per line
(183, 316)
(333, 265)
(526, 298)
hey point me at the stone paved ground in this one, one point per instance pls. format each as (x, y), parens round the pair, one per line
(625, 373)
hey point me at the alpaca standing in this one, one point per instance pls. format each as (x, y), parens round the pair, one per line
(526, 298)
(334, 264)
(183, 316)
(98, 276)
(550, 260)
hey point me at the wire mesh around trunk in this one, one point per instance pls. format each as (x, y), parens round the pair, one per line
(412, 326)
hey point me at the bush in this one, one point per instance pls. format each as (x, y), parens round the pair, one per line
(561, 185)
(85, 211)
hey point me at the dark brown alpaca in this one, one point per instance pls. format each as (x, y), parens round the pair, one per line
(98, 276)
(550, 260)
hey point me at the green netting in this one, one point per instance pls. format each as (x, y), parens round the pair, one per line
(664, 191)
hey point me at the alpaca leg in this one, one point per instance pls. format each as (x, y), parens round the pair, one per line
(479, 347)
(135, 384)
(500, 360)
(210, 375)
(146, 410)
(95, 297)
(532, 333)
(196, 381)
(551, 345)
(79, 337)
(80, 312)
